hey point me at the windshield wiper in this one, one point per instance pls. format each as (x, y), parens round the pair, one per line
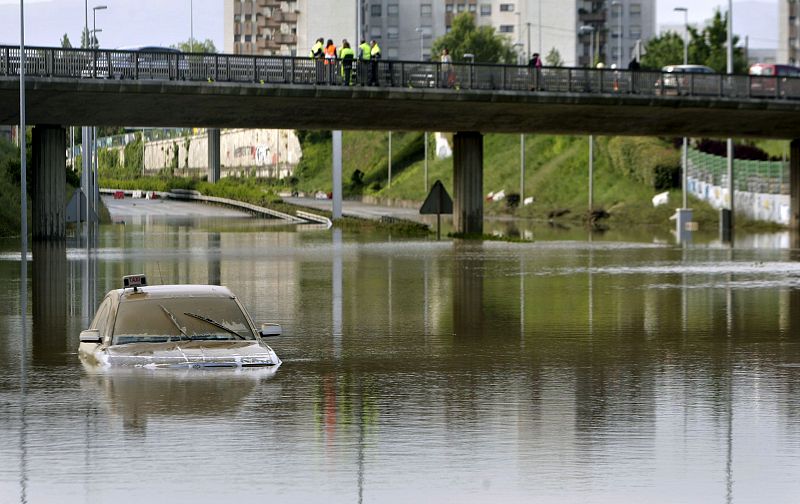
(215, 324)
(175, 322)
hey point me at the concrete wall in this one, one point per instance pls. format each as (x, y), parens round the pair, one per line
(260, 152)
(765, 207)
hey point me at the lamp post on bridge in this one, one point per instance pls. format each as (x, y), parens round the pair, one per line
(685, 149)
(726, 225)
(619, 32)
(94, 42)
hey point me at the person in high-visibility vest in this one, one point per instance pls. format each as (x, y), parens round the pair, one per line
(374, 56)
(330, 60)
(363, 67)
(317, 49)
(318, 53)
(347, 55)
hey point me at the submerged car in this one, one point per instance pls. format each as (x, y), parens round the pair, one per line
(175, 326)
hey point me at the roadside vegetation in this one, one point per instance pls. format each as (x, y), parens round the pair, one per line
(9, 189)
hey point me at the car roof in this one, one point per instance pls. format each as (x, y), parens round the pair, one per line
(687, 68)
(149, 48)
(172, 291)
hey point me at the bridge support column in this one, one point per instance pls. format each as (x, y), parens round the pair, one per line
(49, 182)
(468, 182)
(213, 155)
(794, 187)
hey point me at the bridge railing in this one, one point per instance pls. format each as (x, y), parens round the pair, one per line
(145, 65)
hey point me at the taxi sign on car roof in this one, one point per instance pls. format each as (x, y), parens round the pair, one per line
(134, 281)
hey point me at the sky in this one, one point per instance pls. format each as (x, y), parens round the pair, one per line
(166, 22)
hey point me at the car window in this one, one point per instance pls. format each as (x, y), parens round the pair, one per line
(100, 321)
(151, 320)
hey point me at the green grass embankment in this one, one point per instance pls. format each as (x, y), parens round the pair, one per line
(628, 172)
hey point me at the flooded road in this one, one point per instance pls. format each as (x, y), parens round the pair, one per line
(414, 371)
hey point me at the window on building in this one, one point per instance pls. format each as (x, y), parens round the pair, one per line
(426, 10)
(392, 10)
(506, 28)
(448, 8)
(472, 8)
(375, 10)
(635, 31)
(635, 10)
(506, 7)
(486, 9)
(375, 32)
(392, 33)
(460, 7)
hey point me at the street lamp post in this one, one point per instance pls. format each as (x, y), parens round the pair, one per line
(685, 149)
(731, 185)
(22, 140)
(95, 42)
(528, 53)
(191, 26)
(619, 32)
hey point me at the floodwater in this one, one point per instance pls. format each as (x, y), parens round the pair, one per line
(563, 370)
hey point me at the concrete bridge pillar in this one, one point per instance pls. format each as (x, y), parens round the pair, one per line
(213, 155)
(49, 146)
(794, 186)
(468, 182)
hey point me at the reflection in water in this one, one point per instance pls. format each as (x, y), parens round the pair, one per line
(137, 394)
(49, 285)
(469, 319)
(473, 372)
(214, 259)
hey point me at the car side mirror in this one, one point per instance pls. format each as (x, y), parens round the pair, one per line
(268, 330)
(91, 336)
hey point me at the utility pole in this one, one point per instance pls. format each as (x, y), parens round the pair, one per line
(23, 176)
(731, 185)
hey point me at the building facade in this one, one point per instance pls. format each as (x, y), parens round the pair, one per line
(788, 26)
(406, 29)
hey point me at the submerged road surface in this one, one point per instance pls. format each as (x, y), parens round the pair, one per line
(130, 207)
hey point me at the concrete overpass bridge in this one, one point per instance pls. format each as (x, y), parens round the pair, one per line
(99, 87)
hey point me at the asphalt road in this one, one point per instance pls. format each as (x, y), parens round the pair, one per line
(130, 207)
(360, 210)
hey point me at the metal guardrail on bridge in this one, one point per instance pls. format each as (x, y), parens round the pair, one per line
(141, 65)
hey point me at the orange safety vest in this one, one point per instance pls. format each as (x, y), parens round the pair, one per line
(330, 53)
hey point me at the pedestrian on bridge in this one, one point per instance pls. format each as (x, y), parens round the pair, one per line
(535, 70)
(347, 55)
(317, 54)
(330, 60)
(364, 69)
(374, 57)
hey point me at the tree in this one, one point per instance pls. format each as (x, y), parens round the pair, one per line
(65, 43)
(553, 58)
(85, 38)
(466, 38)
(204, 47)
(706, 47)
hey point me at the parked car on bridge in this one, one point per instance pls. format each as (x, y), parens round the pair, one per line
(769, 80)
(688, 79)
(175, 326)
(141, 62)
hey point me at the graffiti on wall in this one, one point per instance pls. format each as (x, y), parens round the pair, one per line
(261, 155)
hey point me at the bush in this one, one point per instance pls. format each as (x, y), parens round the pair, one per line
(646, 160)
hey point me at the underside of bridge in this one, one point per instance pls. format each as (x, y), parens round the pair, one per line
(54, 101)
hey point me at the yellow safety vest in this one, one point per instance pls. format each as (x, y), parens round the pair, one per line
(375, 52)
(316, 49)
(365, 51)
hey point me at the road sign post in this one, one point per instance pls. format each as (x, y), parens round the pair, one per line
(438, 202)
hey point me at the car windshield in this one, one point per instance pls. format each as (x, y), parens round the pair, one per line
(157, 320)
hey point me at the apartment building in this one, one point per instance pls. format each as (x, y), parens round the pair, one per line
(406, 29)
(788, 26)
(285, 27)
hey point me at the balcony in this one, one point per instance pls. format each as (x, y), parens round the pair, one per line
(598, 16)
